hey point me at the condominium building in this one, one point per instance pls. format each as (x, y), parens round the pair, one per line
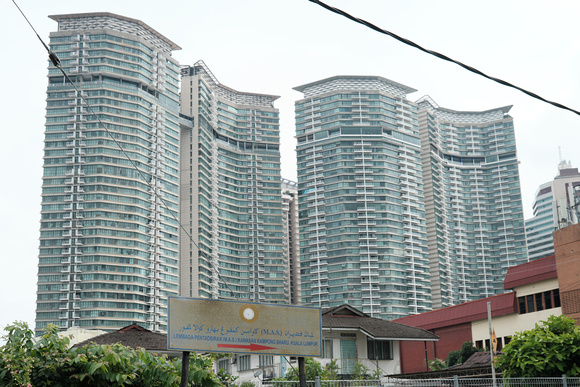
(555, 206)
(475, 222)
(291, 239)
(362, 219)
(109, 235)
(233, 243)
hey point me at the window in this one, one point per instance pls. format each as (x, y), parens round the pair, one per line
(379, 350)
(327, 349)
(539, 301)
(266, 360)
(224, 364)
(556, 293)
(548, 299)
(244, 362)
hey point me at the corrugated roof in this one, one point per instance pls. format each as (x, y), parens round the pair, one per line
(530, 272)
(478, 359)
(347, 317)
(501, 304)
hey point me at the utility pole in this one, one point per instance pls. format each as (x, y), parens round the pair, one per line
(491, 343)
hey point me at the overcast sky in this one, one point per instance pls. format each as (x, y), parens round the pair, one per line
(271, 46)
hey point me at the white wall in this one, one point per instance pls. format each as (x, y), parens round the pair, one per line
(509, 324)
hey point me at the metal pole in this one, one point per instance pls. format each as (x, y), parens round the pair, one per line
(426, 357)
(490, 343)
(302, 371)
(184, 369)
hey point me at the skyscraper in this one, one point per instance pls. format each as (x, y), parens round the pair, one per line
(362, 217)
(473, 201)
(230, 193)
(556, 205)
(291, 241)
(108, 244)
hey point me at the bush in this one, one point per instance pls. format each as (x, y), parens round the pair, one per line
(549, 350)
(50, 362)
(460, 356)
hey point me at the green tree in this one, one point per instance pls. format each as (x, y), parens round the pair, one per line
(360, 371)
(330, 370)
(550, 349)
(311, 367)
(461, 355)
(50, 362)
(437, 365)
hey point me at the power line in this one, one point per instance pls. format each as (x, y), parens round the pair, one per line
(439, 55)
(56, 62)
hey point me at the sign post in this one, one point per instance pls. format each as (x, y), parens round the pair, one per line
(205, 325)
(492, 345)
(184, 369)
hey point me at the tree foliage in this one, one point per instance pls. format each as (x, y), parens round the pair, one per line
(461, 355)
(50, 362)
(551, 349)
(311, 367)
(437, 365)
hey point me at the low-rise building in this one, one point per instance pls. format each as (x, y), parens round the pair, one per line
(533, 296)
(349, 337)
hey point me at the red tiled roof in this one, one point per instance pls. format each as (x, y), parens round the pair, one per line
(530, 272)
(501, 304)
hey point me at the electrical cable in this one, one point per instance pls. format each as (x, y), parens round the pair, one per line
(440, 56)
(56, 62)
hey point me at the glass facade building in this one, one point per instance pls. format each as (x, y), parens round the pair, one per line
(231, 203)
(108, 236)
(556, 205)
(473, 201)
(362, 223)
(291, 239)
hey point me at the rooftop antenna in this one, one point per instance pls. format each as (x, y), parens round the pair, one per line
(562, 164)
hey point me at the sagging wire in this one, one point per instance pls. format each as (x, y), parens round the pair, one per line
(440, 56)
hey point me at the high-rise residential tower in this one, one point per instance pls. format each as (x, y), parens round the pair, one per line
(108, 236)
(362, 219)
(230, 193)
(475, 221)
(291, 239)
(556, 205)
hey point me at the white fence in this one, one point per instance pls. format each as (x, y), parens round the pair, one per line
(562, 381)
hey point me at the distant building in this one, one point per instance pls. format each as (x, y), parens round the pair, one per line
(555, 207)
(363, 235)
(233, 243)
(291, 243)
(475, 222)
(108, 233)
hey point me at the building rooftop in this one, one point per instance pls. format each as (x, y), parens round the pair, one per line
(347, 317)
(134, 336)
(354, 82)
(467, 312)
(530, 272)
(66, 22)
(465, 116)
